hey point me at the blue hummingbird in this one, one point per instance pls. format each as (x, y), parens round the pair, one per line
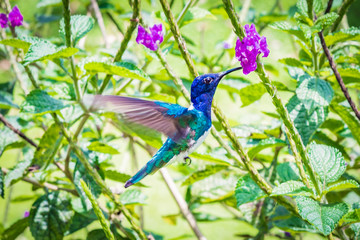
(186, 128)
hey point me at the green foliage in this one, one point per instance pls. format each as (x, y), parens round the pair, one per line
(80, 26)
(195, 14)
(122, 69)
(291, 188)
(39, 102)
(247, 191)
(288, 171)
(133, 197)
(266, 143)
(18, 171)
(201, 174)
(50, 216)
(120, 177)
(15, 229)
(324, 217)
(6, 101)
(2, 192)
(102, 147)
(7, 138)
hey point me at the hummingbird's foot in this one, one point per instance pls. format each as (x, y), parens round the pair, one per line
(187, 161)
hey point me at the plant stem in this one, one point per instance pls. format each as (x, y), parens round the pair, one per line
(178, 38)
(338, 76)
(343, 9)
(271, 89)
(310, 4)
(100, 21)
(184, 208)
(133, 23)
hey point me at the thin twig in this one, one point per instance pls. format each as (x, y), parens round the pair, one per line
(338, 76)
(181, 203)
(100, 21)
(45, 184)
(17, 131)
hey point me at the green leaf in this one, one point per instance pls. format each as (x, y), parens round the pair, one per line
(79, 221)
(204, 173)
(349, 75)
(96, 234)
(2, 191)
(50, 216)
(350, 34)
(324, 21)
(80, 26)
(6, 101)
(102, 147)
(251, 93)
(295, 224)
(48, 146)
(356, 228)
(292, 62)
(211, 158)
(16, 43)
(195, 14)
(273, 17)
(7, 138)
(47, 51)
(247, 191)
(47, 3)
(122, 69)
(327, 162)
(324, 217)
(343, 185)
(305, 122)
(39, 102)
(104, 224)
(314, 92)
(15, 229)
(265, 143)
(120, 177)
(291, 188)
(348, 117)
(133, 196)
(352, 216)
(19, 170)
(288, 171)
(287, 28)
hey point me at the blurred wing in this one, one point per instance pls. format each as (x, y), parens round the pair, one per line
(169, 119)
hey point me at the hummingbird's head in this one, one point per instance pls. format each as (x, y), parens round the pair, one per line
(203, 89)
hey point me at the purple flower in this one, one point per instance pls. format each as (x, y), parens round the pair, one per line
(3, 20)
(150, 40)
(287, 234)
(226, 45)
(246, 51)
(15, 17)
(26, 214)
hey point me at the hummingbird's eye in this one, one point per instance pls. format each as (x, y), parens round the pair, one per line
(207, 80)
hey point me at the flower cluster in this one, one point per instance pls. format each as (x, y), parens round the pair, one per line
(246, 51)
(15, 18)
(150, 40)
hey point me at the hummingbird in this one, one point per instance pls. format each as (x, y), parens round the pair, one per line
(186, 128)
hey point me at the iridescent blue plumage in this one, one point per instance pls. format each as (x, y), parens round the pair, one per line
(186, 128)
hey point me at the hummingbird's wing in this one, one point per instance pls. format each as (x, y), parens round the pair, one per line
(169, 119)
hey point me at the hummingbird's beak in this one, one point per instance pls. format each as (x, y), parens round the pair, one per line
(222, 74)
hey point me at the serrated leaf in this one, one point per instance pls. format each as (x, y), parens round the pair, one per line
(195, 14)
(50, 216)
(201, 174)
(347, 116)
(133, 196)
(16, 43)
(104, 223)
(15, 229)
(352, 216)
(19, 170)
(295, 224)
(324, 217)
(288, 171)
(48, 146)
(247, 191)
(102, 147)
(324, 21)
(350, 34)
(39, 102)
(80, 26)
(302, 7)
(291, 188)
(7, 138)
(120, 177)
(287, 28)
(343, 185)
(314, 92)
(327, 162)
(47, 51)
(306, 123)
(265, 143)
(122, 69)
(251, 93)
(2, 191)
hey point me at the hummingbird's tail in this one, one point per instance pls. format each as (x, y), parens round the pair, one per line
(151, 166)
